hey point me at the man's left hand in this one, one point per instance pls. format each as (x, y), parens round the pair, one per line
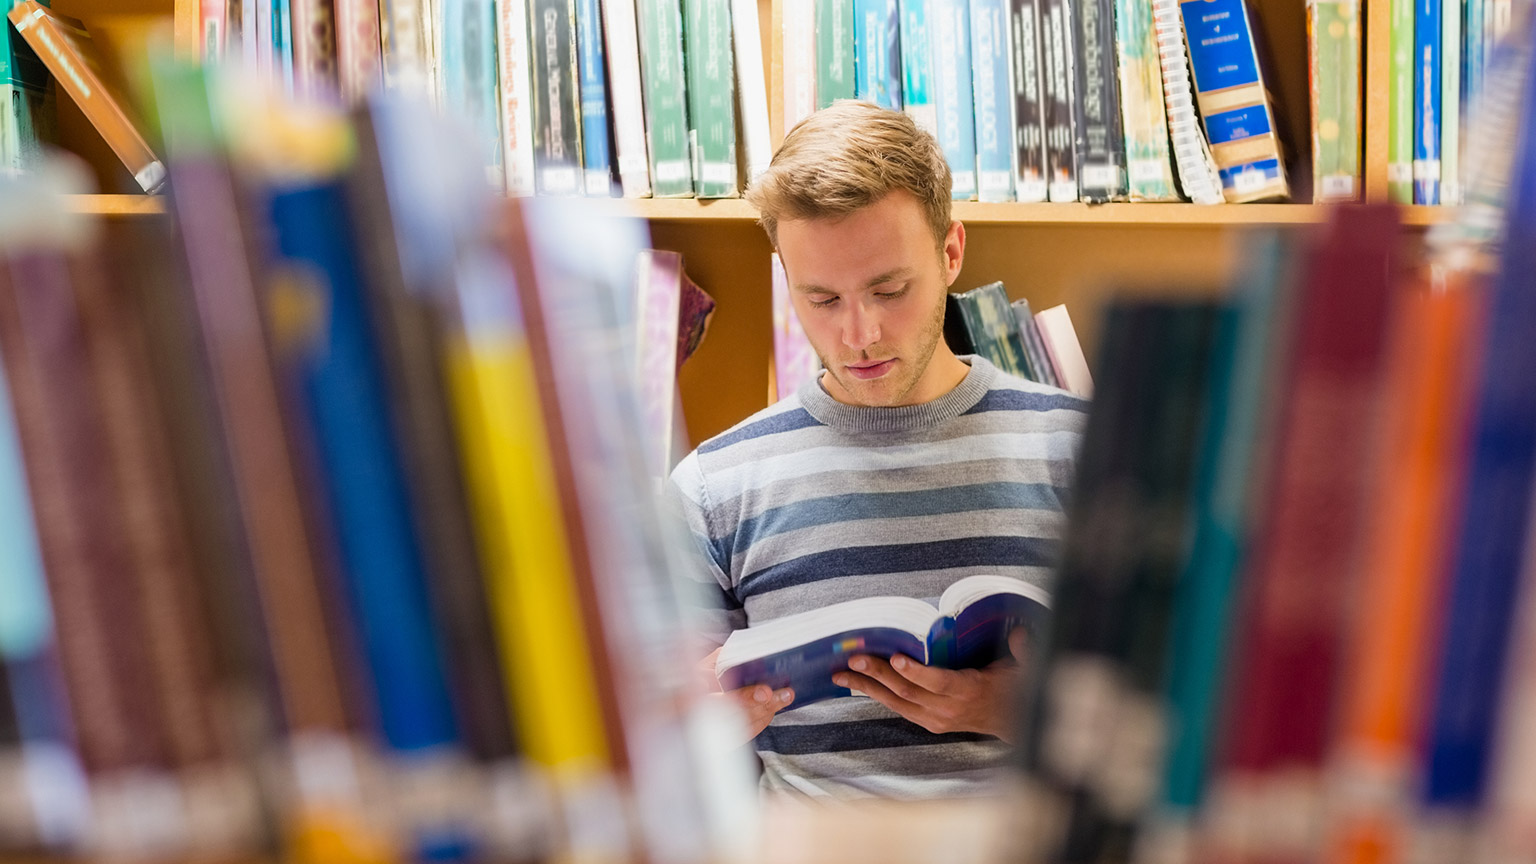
(943, 700)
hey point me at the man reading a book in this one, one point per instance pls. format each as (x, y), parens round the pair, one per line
(901, 470)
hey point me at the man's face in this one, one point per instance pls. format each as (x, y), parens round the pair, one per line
(869, 290)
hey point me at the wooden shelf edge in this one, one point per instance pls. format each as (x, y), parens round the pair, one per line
(118, 205)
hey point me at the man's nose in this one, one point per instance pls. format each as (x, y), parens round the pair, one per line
(861, 329)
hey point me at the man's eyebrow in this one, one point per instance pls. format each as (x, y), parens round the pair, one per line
(888, 276)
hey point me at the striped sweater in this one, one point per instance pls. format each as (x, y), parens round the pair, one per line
(811, 502)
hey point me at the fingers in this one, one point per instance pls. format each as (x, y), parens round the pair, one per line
(760, 702)
(877, 691)
(1018, 644)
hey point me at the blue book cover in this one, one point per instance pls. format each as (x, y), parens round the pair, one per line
(949, 30)
(1490, 554)
(327, 353)
(596, 160)
(469, 67)
(1427, 28)
(877, 52)
(966, 628)
(917, 66)
(993, 90)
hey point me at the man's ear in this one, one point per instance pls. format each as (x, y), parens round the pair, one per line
(954, 252)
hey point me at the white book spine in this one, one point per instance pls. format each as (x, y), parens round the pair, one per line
(1191, 152)
(1061, 342)
(516, 96)
(799, 61)
(751, 87)
(623, 41)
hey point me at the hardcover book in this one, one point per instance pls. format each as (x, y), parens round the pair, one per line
(1098, 135)
(1333, 42)
(65, 48)
(751, 88)
(1427, 118)
(666, 101)
(949, 29)
(469, 79)
(1028, 102)
(877, 52)
(1060, 74)
(596, 160)
(1148, 162)
(556, 99)
(27, 102)
(968, 629)
(994, 100)
(993, 329)
(1233, 101)
(621, 30)
(834, 52)
(917, 66)
(514, 90)
(1400, 104)
(798, 36)
(711, 106)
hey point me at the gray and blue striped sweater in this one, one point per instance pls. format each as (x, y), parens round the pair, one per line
(811, 502)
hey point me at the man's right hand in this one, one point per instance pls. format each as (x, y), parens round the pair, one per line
(758, 703)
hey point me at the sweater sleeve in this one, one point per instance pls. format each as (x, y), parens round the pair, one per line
(711, 604)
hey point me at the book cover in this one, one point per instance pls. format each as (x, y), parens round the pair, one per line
(358, 48)
(1034, 345)
(1302, 572)
(957, 334)
(1427, 118)
(993, 329)
(1065, 351)
(1234, 104)
(623, 55)
(949, 31)
(794, 360)
(834, 52)
(1059, 55)
(877, 52)
(917, 66)
(468, 65)
(666, 97)
(967, 628)
(64, 46)
(1333, 47)
(556, 99)
(711, 102)
(1400, 103)
(1028, 102)
(1098, 134)
(751, 89)
(514, 89)
(798, 36)
(993, 94)
(1148, 162)
(596, 160)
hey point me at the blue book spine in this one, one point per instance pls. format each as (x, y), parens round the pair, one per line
(594, 100)
(949, 28)
(282, 41)
(877, 52)
(917, 66)
(334, 367)
(994, 100)
(1427, 28)
(1490, 553)
(469, 73)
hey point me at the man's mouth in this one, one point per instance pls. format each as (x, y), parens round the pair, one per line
(869, 370)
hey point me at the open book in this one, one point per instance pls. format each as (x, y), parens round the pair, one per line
(969, 629)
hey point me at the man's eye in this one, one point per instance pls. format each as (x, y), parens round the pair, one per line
(891, 295)
(822, 304)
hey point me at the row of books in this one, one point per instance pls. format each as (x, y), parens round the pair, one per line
(1296, 616)
(314, 541)
(1037, 346)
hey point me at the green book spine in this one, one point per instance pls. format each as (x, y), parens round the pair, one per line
(1334, 44)
(1400, 105)
(994, 329)
(1450, 102)
(1149, 163)
(834, 51)
(666, 107)
(711, 111)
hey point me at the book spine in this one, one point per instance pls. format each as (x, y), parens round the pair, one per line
(358, 47)
(1148, 162)
(949, 24)
(1029, 164)
(404, 35)
(666, 100)
(917, 66)
(1333, 31)
(282, 44)
(314, 49)
(1060, 138)
(1198, 180)
(596, 160)
(1451, 107)
(1065, 351)
(1427, 28)
(57, 45)
(797, 29)
(994, 329)
(751, 88)
(1474, 57)
(1233, 101)
(628, 111)
(1100, 138)
(876, 54)
(515, 91)
(660, 287)
(993, 90)
(211, 30)
(1400, 104)
(1034, 348)
(834, 52)
(469, 66)
(711, 109)
(556, 99)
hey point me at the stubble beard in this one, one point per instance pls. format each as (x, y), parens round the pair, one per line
(915, 368)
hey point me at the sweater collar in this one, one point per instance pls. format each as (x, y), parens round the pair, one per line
(904, 418)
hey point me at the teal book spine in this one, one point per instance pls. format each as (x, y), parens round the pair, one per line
(834, 51)
(993, 94)
(469, 79)
(711, 98)
(949, 23)
(917, 66)
(666, 106)
(877, 52)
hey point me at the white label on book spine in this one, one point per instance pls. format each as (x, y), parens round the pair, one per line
(599, 185)
(719, 172)
(996, 185)
(1426, 169)
(1063, 191)
(1338, 186)
(673, 171)
(1100, 176)
(1399, 172)
(1146, 170)
(138, 813)
(560, 180)
(1248, 181)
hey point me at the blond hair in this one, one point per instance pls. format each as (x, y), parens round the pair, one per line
(849, 156)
